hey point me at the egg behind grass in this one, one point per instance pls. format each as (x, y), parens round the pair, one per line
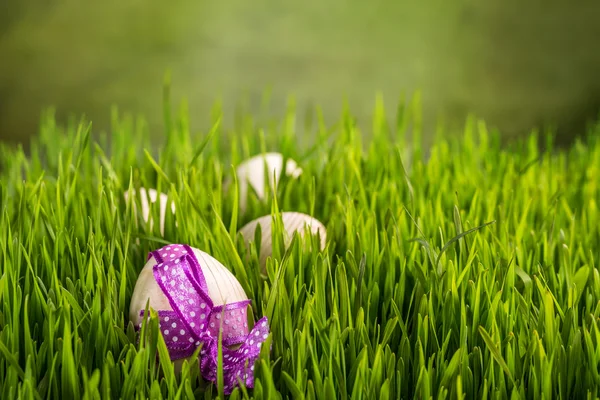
(251, 175)
(293, 222)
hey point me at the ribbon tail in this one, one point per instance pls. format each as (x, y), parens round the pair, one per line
(238, 364)
(244, 358)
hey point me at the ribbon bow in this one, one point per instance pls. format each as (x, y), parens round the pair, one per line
(195, 321)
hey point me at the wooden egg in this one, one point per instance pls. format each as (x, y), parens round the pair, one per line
(222, 287)
(292, 222)
(251, 172)
(153, 195)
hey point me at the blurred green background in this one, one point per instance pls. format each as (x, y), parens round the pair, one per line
(518, 64)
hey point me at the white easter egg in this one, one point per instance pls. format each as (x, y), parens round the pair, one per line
(251, 172)
(292, 222)
(153, 195)
(222, 288)
(200, 305)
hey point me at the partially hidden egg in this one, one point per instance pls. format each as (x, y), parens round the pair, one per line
(293, 222)
(153, 196)
(251, 173)
(197, 298)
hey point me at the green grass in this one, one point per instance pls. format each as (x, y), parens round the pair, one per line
(472, 275)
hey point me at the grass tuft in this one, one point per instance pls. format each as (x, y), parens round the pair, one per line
(473, 274)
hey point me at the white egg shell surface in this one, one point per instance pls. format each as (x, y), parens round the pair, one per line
(223, 287)
(292, 222)
(153, 195)
(251, 172)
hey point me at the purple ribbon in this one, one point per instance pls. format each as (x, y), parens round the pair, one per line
(195, 321)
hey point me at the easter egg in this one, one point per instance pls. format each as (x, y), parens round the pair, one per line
(292, 222)
(198, 301)
(153, 195)
(251, 173)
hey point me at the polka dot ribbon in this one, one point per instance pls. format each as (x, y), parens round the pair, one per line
(195, 321)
